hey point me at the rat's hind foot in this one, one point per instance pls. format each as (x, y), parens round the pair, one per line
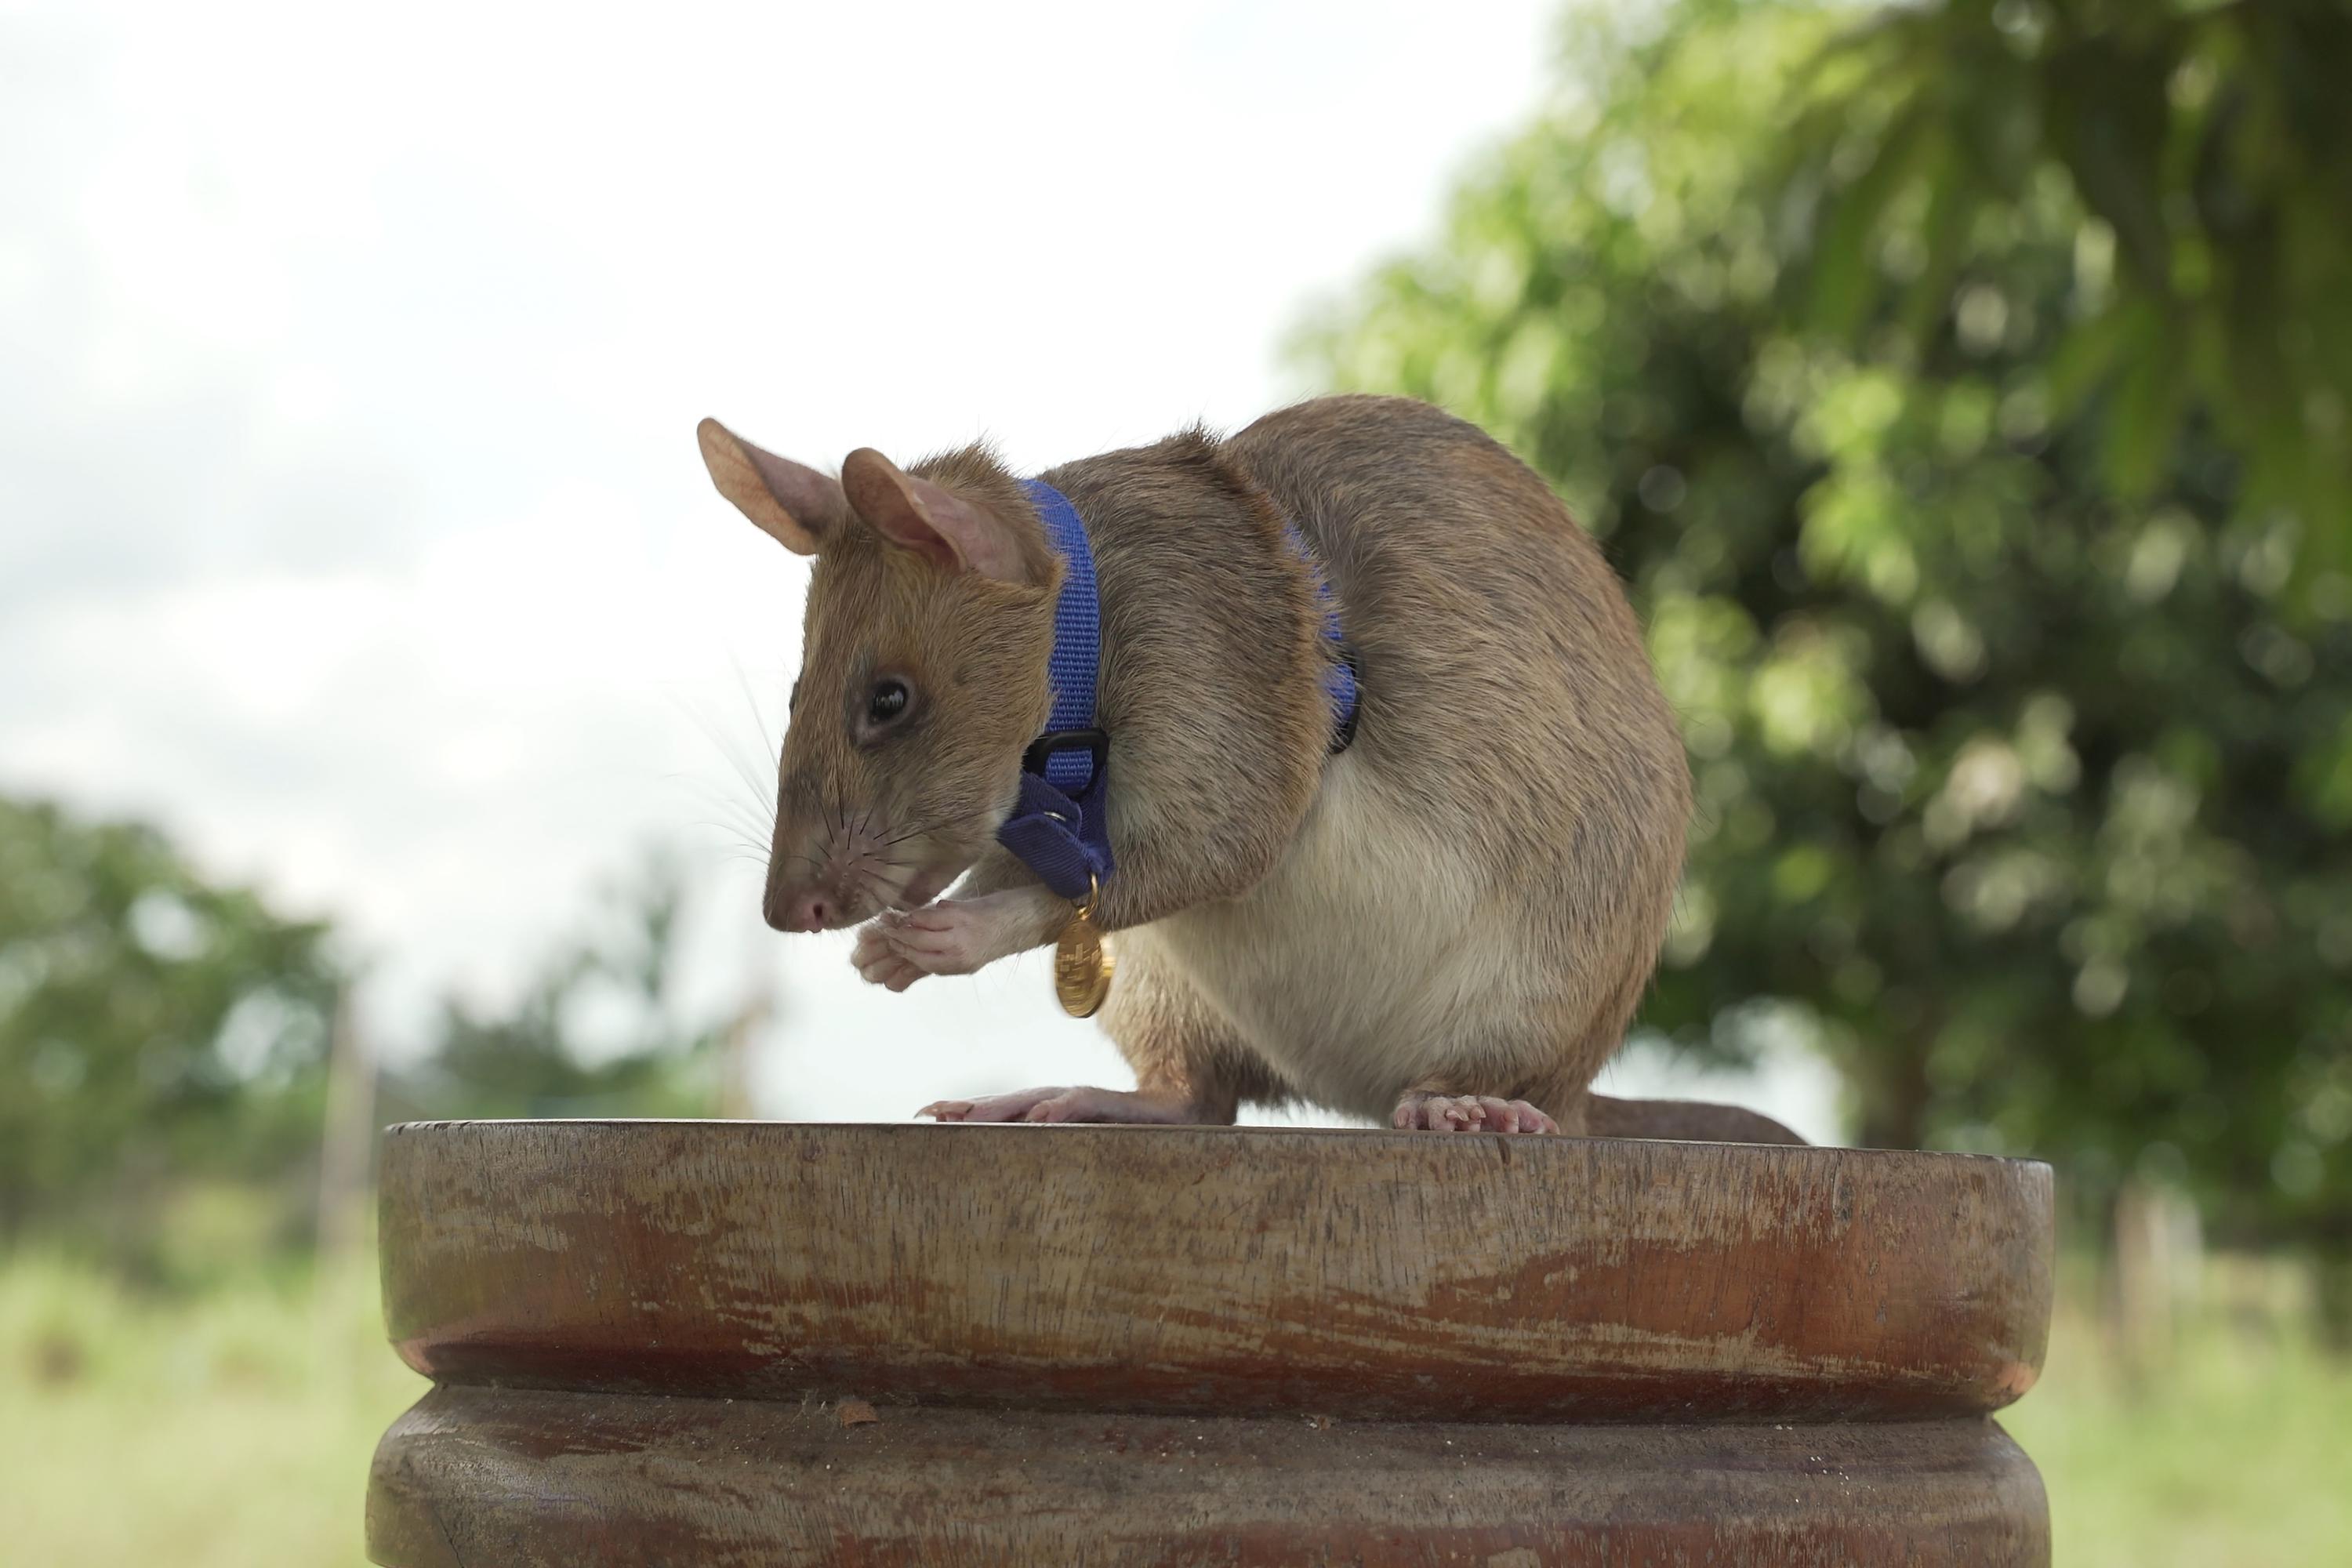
(1468, 1113)
(1068, 1105)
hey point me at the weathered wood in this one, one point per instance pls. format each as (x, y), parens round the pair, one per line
(521, 1477)
(728, 1344)
(1362, 1275)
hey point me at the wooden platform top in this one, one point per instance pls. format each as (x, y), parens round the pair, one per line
(1360, 1275)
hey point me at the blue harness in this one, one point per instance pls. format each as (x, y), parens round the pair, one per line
(1059, 828)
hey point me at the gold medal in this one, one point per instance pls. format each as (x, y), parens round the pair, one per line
(1082, 966)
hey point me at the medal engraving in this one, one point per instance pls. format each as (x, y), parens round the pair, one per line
(1082, 966)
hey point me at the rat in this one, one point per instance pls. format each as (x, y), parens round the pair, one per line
(1443, 918)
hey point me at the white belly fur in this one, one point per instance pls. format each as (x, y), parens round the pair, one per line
(1369, 957)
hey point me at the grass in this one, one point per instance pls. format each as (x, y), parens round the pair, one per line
(2229, 1447)
(234, 1427)
(221, 1431)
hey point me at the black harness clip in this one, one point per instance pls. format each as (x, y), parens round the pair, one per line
(1045, 746)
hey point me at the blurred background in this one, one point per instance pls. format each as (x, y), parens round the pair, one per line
(387, 704)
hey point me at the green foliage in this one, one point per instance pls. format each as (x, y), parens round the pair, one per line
(2024, 773)
(597, 1032)
(2205, 147)
(163, 1045)
(153, 1025)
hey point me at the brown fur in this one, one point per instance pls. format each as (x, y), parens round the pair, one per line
(1515, 701)
(861, 819)
(1517, 777)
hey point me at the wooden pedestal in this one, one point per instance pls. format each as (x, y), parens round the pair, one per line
(752, 1344)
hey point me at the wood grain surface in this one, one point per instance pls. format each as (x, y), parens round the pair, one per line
(1356, 1275)
(476, 1476)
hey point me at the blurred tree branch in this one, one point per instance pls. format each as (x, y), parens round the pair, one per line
(2014, 654)
(2207, 147)
(597, 1031)
(153, 1024)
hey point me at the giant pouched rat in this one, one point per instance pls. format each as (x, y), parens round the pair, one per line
(1447, 924)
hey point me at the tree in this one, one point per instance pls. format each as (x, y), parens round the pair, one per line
(154, 1026)
(2206, 145)
(2025, 769)
(546, 1055)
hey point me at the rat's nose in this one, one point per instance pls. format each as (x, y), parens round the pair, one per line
(798, 911)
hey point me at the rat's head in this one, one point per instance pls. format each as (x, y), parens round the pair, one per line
(930, 619)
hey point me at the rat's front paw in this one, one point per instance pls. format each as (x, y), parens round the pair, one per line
(880, 962)
(953, 938)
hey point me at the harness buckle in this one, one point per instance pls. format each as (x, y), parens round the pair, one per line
(1045, 746)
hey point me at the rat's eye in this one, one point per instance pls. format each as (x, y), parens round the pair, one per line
(888, 700)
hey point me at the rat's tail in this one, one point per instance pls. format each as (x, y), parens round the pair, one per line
(1693, 1120)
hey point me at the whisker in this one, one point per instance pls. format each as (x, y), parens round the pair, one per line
(734, 835)
(741, 812)
(881, 892)
(734, 759)
(741, 834)
(774, 748)
(754, 818)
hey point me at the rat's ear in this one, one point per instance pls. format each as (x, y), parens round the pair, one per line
(937, 524)
(793, 503)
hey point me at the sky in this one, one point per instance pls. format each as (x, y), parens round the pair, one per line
(352, 527)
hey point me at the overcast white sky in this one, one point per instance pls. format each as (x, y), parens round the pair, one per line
(350, 524)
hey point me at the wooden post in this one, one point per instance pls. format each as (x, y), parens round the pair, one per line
(733, 1344)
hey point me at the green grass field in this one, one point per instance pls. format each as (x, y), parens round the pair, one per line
(2232, 1451)
(222, 1431)
(234, 1429)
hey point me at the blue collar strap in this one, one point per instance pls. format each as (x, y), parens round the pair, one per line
(1341, 680)
(1058, 828)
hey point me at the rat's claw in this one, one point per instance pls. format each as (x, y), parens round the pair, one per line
(880, 962)
(1469, 1113)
